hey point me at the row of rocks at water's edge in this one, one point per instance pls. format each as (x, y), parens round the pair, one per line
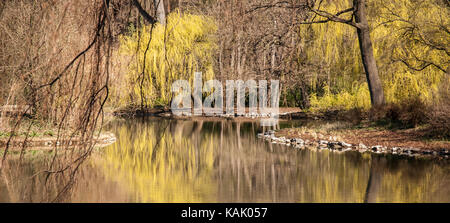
(341, 146)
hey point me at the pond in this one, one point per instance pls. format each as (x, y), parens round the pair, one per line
(163, 160)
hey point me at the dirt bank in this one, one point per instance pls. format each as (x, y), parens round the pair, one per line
(400, 142)
(46, 143)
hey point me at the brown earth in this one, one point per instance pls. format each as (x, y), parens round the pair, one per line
(370, 137)
(44, 143)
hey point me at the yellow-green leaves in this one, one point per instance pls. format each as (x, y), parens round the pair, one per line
(175, 52)
(401, 30)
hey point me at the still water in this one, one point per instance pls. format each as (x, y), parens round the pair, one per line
(161, 160)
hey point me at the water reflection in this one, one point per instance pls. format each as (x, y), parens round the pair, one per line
(158, 160)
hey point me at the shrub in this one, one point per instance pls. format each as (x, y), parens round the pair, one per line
(358, 97)
(438, 115)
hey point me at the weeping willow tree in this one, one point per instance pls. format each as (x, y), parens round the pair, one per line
(410, 47)
(417, 45)
(162, 54)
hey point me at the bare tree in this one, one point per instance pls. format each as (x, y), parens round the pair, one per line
(63, 91)
(358, 20)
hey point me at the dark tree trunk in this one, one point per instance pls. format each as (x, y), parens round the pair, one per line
(368, 59)
(374, 182)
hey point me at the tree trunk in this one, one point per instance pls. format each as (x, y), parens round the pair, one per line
(376, 177)
(160, 11)
(370, 65)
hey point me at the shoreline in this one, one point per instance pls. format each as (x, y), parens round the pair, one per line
(342, 140)
(284, 112)
(366, 139)
(337, 144)
(49, 143)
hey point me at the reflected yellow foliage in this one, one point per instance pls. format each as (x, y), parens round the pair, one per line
(160, 166)
(224, 162)
(429, 185)
(160, 160)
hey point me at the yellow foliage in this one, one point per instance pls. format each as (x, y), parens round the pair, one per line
(358, 97)
(400, 83)
(184, 46)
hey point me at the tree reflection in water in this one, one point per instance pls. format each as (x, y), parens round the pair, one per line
(158, 160)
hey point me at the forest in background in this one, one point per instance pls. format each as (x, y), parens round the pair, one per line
(52, 51)
(319, 65)
(64, 64)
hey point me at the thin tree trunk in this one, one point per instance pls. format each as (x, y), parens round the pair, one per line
(368, 59)
(169, 7)
(160, 11)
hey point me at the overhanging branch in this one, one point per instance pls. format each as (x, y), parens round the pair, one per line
(332, 17)
(144, 13)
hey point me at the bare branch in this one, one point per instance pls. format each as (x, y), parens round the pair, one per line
(422, 67)
(144, 13)
(333, 17)
(280, 4)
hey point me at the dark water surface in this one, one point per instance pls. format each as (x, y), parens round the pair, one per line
(160, 160)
